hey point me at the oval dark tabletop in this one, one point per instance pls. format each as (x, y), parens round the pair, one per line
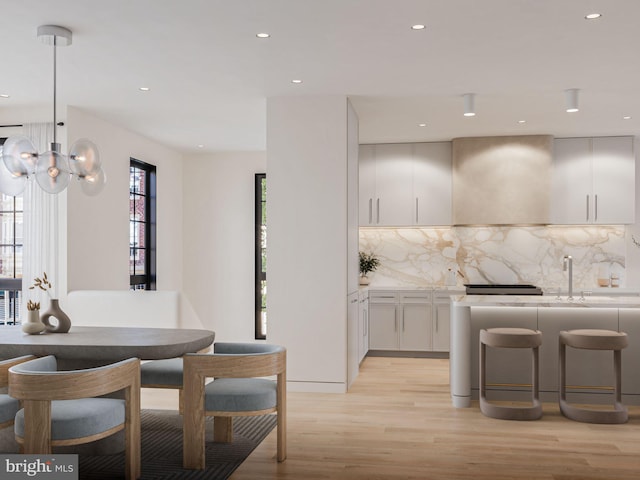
(105, 343)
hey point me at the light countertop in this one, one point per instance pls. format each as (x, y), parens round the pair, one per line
(546, 301)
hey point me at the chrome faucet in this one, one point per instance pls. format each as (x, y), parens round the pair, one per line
(568, 261)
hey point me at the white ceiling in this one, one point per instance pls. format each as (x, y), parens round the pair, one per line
(210, 76)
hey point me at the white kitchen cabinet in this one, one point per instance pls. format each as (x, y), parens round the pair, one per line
(593, 181)
(400, 321)
(383, 326)
(367, 185)
(405, 184)
(353, 360)
(363, 326)
(432, 183)
(394, 171)
(415, 327)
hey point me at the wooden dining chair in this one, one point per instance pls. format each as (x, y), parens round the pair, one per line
(235, 391)
(60, 407)
(9, 406)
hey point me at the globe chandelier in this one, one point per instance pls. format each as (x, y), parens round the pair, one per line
(52, 169)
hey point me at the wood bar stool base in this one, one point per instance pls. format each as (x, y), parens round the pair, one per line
(511, 338)
(593, 340)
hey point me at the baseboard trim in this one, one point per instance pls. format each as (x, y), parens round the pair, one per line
(406, 354)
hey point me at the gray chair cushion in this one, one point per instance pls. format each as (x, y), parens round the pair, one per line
(9, 406)
(245, 348)
(240, 394)
(162, 372)
(80, 418)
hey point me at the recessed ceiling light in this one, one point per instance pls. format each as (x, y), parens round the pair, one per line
(418, 27)
(422, 124)
(144, 89)
(296, 81)
(592, 16)
(522, 121)
(627, 117)
(262, 35)
(200, 146)
(4, 95)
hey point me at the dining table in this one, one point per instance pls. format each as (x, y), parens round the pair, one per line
(84, 347)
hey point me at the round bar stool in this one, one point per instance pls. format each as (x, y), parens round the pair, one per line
(593, 340)
(511, 338)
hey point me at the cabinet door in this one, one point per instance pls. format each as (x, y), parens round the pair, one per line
(571, 184)
(415, 327)
(394, 172)
(432, 183)
(363, 333)
(613, 180)
(441, 327)
(383, 327)
(352, 338)
(366, 184)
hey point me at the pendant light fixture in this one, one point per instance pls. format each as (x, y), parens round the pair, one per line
(52, 169)
(571, 100)
(469, 104)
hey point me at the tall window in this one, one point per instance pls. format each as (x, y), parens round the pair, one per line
(261, 255)
(142, 225)
(11, 242)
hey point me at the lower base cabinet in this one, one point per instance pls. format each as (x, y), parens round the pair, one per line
(400, 321)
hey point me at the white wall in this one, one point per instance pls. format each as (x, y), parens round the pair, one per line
(219, 241)
(98, 227)
(307, 235)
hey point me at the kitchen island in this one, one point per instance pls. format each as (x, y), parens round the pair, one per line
(549, 314)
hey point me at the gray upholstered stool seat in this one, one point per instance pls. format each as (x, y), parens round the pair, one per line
(9, 406)
(165, 373)
(510, 338)
(80, 418)
(240, 395)
(593, 340)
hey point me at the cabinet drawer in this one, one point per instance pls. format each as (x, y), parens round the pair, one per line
(383, 297)
(415, 297)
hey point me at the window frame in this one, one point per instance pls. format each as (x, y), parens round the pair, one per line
(13, 286)
(260, 274)
(149, 278)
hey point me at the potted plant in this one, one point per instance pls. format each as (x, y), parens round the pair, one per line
(368, 263)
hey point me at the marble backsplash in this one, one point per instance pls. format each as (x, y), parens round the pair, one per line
(495, 254)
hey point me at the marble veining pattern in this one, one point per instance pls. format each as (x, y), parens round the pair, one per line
(495, 254)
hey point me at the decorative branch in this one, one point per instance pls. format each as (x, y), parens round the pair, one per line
(42, 283)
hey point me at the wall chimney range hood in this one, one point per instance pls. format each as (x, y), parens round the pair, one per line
(502, 180)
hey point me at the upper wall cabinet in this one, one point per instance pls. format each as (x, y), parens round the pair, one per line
(593, 181)
(406, 184)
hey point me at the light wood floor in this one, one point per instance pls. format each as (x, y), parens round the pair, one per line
(397, 422)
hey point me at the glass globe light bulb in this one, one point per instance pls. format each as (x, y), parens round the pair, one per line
(94, 183)
(52, 172)
(10, 184)
(19, 155)
(84, 158)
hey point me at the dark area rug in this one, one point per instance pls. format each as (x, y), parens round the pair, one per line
(162, 449)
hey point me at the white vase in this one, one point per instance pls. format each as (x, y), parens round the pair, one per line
(364, 280)
(33, 325)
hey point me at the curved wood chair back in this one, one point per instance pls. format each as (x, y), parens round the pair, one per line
(37, 383)
(5, 365)
(229, 360)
